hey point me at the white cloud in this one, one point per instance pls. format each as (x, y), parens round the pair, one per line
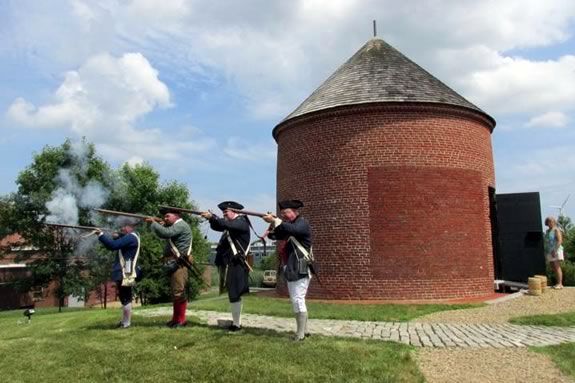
(549, 120)
(539, 169)
(103, 100)
(516, 85)
(135, 161)
(549, 171)
(277, 52)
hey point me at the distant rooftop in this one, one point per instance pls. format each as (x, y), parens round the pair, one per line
(380, 73)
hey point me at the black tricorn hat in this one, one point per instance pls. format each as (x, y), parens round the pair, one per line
(230, 205)
(165, 210)
(290, 204)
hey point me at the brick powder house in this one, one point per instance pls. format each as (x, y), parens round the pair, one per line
(396, 172)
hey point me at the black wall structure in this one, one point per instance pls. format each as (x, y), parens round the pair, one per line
(519, 250)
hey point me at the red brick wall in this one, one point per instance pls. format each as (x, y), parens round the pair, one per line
(375, 175)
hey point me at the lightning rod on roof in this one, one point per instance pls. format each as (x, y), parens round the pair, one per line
(374, 28)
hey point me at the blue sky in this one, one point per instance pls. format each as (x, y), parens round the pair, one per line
(195, 87)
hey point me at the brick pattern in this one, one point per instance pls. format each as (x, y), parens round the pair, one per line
(352, 165)
(435, 335)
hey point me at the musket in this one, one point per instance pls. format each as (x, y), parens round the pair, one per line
(183, 260)
(78, 227)
(181, 210)
(124, 214)
(254, 213)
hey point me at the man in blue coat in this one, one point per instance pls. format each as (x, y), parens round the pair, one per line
(124, 269)
(231, 255)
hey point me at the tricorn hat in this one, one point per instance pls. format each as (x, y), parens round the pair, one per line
(230, 205)
(290, 204)
(165, 210)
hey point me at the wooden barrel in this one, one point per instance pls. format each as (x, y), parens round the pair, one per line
(534, 286)
(543, 280)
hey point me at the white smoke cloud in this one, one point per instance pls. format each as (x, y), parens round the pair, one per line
(63, 208)
(70, 195)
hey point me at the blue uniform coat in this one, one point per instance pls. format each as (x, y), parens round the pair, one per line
(127, 243)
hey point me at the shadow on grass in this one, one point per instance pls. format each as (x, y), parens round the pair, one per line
(139, 323)
(193, 322)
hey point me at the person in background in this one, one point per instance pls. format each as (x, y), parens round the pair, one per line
(554, 249)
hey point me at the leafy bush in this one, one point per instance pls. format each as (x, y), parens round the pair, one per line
(256, 278)
(270, 262)
(568, 269)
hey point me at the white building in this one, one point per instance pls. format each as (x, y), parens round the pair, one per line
(257, 250)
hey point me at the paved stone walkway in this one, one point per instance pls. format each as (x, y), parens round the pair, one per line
(416, 334)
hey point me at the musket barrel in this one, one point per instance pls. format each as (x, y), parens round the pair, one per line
(121, 213)
(78, 227)
(182, 210)
(247, 212)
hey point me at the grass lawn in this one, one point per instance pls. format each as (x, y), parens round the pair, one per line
(564, 320)
(563, 355)
(255, 304)
(83, 346)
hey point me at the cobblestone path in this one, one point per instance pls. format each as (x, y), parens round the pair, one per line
(417, 334)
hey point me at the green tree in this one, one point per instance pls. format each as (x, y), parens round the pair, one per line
(133, 189)
(568, 238)
(564, 224)
(7, 211)
(27, 211)
(139, 190)
(270, 262)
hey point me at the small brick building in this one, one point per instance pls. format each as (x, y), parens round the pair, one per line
(396, 171)
(14, 268)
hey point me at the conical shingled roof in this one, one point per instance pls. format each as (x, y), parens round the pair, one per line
(380, 73)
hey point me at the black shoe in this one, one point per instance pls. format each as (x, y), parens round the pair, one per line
(120, 326)
(234, 328)
(307, 334)
(170, 323)
(178, 325)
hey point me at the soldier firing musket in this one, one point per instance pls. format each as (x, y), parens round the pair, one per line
(294, 248)
(125, 271)
(184, 261)
(177, 255)
(231, 254)
(308, 256)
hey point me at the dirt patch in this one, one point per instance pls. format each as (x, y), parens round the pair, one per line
(551, 302)
(487, 365)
